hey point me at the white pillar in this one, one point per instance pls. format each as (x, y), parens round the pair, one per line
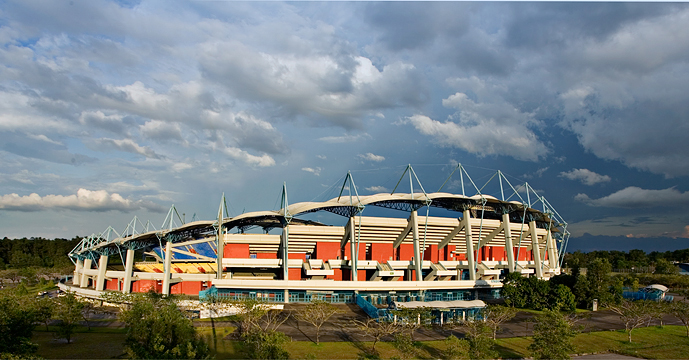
(469, 245)
(353, 249)
(85, 278)
(509, 248)
(417, 249)
(284, 238)
(536, 251)
(128, 272)
(552, 251)
(76, 280)
(167, 266)
(102, 266)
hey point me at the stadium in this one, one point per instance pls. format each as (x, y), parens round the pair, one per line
(460, 253)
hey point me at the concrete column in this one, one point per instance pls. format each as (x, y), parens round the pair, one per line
(85, 278)
(552, 251)
(417, 249)
(535, 249)
(353, 249)
(167, 266)
(76, 280)
(284, 239)
(286, 296)
(102, 267)
(469, 245)
(128, 272)
(509, 248)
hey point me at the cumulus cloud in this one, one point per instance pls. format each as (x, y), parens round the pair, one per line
(585, 176)
(316, 171)
(371, 157)
(249, 159)
(83, 200)
(378, 189)
(635, 197)
(126, 145)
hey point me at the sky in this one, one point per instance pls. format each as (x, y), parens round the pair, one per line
(116, 109)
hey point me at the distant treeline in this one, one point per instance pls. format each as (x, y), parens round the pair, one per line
(36, 252)
(625, 260)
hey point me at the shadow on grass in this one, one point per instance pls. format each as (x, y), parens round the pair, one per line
(507, 353)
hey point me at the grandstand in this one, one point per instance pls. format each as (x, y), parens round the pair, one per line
(280, 256)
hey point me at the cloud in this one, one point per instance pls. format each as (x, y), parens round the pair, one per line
(161, 130)
(344, 139)
(635, 197)
(371, 157)
(378, 189)
(84, 200)
(126, 145)
(585, 176)
(316, 171)
(249, 159)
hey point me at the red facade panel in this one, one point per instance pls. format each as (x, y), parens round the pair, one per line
(327, 250)
(431, 253)
(362, 251)
(381, 252)
(405, 252)
(448, 252)
(236, 251)
(266, 255)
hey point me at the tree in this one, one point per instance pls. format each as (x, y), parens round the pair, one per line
(513, 291)
(16, 324)
(634, 314)
(561, 298)
(317, 313)
(376, 329)
(680, 310)
(454, 348)
(596, 284)
(480, 342)
(44, 308)
(664, 266)
(260, 344)
(552, 337)
(414, 318)
(158, 329)
(496, 315)
(69, 311)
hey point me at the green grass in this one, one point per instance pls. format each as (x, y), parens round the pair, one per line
(668, 342)
(99, 343)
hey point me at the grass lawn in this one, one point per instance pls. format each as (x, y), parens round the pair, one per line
(99, 343)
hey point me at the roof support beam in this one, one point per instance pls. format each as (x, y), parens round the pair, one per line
(102, 266)
(84, 278)
(489, 237)
(404, 233)
(128, 272)
(535, 249)
(552, 251)
(346, 235)
(77, 271)
(509, 248)
(417, 249)
(469, 246)
(198, 256)
(353, 249)
(166, 267)
(446, 240)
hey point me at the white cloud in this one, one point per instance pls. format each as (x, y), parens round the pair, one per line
(249, 159)
(635, 197)
(371, 157)
(585, 176)
(316, 171)
(126, 145)
(84, 200)
(344, 139)
(483, 137)
(378, 189)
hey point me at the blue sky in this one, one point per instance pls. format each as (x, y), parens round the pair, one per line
(115, 109)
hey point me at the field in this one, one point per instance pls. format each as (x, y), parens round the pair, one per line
(668, 342)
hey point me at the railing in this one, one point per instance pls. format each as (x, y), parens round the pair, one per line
(369, 309)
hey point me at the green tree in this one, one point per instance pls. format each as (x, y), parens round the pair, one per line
(259, 344)
(455, 348)
(481, 343)
(561, 298)
(597, 284)
(513, 290)
(496, 315)
(44, 308)
(317, 313)
(17, 319)
(414, 319)
(68, 311)
(157, 329)
(633, 314)
(680, 310)
(552, 337)
(376, 329)
(664, 266)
